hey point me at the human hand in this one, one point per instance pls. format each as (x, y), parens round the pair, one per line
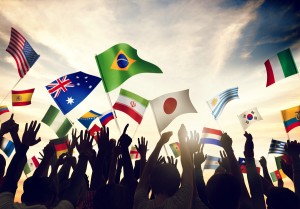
(103, 140)
(249, 146)
(165, 137)
(142, 147)
(193, 142)
(199, 157)
(224, 162)
(125, 140)
(172, 161)
(73, 143)
(263, 162)
(226, 142)
(7, 125)
(160, 160)
(85, 146)
(30, 132)
(182, 133)
(49, 151)
(292, 148)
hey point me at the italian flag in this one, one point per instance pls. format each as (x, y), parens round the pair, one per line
(57, 121)
(31, 165)
(131, 104)
(280, 66)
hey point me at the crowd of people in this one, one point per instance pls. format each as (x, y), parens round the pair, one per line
(153, 183)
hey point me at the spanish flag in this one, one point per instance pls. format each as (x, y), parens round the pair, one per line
(22, 97)
(291, 118)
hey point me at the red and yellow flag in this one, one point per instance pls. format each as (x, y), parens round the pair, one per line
(22, 97)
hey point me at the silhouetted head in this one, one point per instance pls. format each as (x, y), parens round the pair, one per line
(282, 198)
(113, 196)
(223, 191)
(39, 190)
(165, 179)
(2, 165)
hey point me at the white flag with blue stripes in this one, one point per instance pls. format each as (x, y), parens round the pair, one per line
(218, 102)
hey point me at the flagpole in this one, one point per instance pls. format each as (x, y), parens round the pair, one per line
(10, 90)
(135, 131)
(159, 131)
(215, 118)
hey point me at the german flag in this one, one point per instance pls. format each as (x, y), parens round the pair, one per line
(60, 145)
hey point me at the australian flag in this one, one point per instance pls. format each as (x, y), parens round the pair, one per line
(68, 91)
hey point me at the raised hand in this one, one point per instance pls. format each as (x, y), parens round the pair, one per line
(49, 151)
(103, 140)
(165, 137)
(125, 140)
(199, 157)
(172, 161)
(7, 125)
(226, 142)
(142, 147)
(85, 146)
(224, 162)
(161, 160)
(292, 148)
(73, 143)
(182, 133)
(249, 146)
(193, 142)
(30, 132)
(263, 162)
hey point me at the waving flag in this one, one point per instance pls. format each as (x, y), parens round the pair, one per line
(218, 102)
(291, 118)
(119, 63)
(242, 163)
(175, 147)
(276, 175)
(60, 145)
(169, 106)
(88, 118)
(277, 147)
(106, 117)
(131, 104)
(3, 109)
(94, 130)
(31, 165)
(22, 97)
(57, 121)
(22, 52)
(280, 66)
(211, 136)
(249, 117)
(69, 90)
(211, 162)
(7, 146)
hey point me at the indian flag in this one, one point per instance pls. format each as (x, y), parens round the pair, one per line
(31, 165)
(57, 121)
(280, 66)
(131, 104)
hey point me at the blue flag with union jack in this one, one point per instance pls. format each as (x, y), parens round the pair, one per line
(68, 91)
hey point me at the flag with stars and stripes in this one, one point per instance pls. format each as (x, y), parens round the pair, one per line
(22, 52)
(68, 91)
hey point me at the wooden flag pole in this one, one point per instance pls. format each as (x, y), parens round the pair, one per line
(10, 90)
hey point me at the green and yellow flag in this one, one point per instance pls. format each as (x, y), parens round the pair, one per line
(119, 63)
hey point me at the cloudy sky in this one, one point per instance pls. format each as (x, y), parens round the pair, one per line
(204, 46)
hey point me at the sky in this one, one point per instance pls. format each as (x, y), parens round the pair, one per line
(204, 46)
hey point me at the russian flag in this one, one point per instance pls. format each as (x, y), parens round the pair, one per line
(211, 136)
(106, 117)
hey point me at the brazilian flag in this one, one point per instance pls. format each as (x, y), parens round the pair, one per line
(119, 63)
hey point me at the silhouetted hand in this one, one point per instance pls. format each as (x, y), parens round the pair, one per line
(30, 132)
(249, 146)
(73, 143)
(85, 146)
(161, 160)
(7, 125)
(103, 140)
(142, 147)
(199, 157)
(182, 134)
(263, 162)
(292, 148)
(226, 142)
(224, 162)
(125, 140)
(172, 161)
(193, 142)
(120, 163)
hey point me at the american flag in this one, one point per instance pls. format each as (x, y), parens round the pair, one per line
(22, 52)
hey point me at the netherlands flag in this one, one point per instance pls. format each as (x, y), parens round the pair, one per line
(106, 117)
(211, 136)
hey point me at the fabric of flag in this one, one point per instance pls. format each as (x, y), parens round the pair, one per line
(211, 162)
(88, 118)
(280, 66)
(131, 104)
(275, 175)
(134, 154)
(285, 158)
(31, 165)
(22, 52)
(175, 147)
(291, 118)
(57, 121)
(249, 117)
(94, 130)
(69, 90)
(119, 63)
(7, 146)
(242, 163)
(277, 147)
(106, 117)
(169, 106)
(211, 136)
(61, 145)
(3, 109)
(218, 102)
(21, 97)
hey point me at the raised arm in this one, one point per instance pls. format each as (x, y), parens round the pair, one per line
(263, 163)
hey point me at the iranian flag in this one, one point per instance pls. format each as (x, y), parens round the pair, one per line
(280, 66)
(131, 104)
(167, 107)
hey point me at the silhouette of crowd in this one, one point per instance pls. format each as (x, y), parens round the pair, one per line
(153, 183)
